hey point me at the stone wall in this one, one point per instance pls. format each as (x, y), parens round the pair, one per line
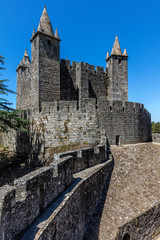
(81, 80)
(85, 158)
(63, 123)
(145, 226)
(49, 69)
(118, 78)
(124, 122)
(21, 203)
(23, 87)
(77, 208)
(156, 137)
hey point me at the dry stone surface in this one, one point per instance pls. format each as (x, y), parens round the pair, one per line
(133, 190)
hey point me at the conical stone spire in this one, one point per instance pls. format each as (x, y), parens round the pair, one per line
(125, 53)
(33, 33)
(26, 59)
(116, 50)
(45, 24)
(107, 56)
(26, 53)
(56, 34)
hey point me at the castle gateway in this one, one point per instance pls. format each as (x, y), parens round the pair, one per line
(78, 103)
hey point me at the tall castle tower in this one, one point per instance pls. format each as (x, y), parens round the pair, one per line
(118, 73)
(45, 82)
(41, 77)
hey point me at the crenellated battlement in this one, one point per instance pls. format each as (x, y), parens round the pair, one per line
(70, 107)
(73, 66)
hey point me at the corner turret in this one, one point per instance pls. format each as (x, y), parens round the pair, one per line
(23, 82)
(117, 64)
(56, 35)
(125, 53)
(25, 62)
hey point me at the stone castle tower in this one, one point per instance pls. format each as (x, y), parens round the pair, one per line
(44, 70)
(83, 101)
(118, 73)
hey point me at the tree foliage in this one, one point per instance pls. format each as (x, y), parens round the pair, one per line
(155, 127)
(9, 118)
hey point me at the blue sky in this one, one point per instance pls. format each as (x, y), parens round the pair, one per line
(88, 29)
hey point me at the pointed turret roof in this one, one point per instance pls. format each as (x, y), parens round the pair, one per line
(116, 50)
(34, 32)
(21, 63)
(125, 53)
(107, 56)
(26, 60)
(45, 24)
(56, 34)
(26, 53)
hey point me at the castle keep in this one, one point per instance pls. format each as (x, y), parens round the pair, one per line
(76, 103)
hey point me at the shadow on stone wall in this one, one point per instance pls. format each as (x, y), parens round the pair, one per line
(92, 232)
(26, 156)
(30, 148)
(68, 91)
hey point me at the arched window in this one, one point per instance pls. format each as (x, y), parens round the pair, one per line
(126, 237)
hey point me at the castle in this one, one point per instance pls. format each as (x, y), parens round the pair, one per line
(76, 102)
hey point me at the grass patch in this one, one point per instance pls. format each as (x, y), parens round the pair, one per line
(66, 148)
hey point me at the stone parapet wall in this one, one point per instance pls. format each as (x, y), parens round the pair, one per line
(156, 137)
(124, 122)
(85, 158)
(77, 208)
(21, 203)
(61, 123)
(64, 122)
(145, 226)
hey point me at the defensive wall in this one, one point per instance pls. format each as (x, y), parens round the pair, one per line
(21, 203)
(78, 208)
(145, 226)
(64, 122)
(124, 122)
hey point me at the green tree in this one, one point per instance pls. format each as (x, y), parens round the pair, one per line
(9, 118)
(155, 127)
